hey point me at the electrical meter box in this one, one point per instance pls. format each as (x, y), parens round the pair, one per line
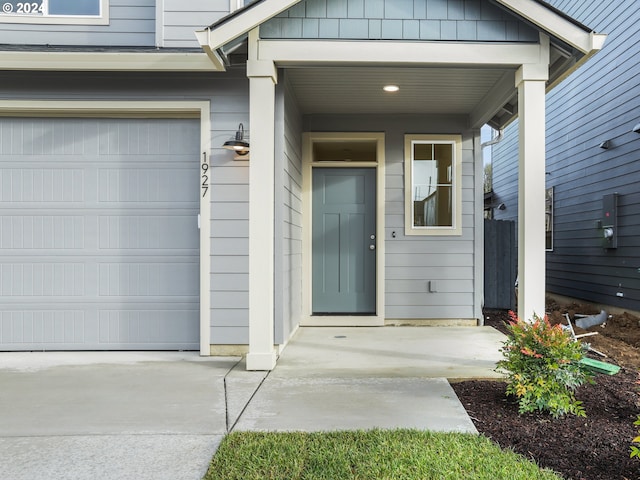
(610, 220)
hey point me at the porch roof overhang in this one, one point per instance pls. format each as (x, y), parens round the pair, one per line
(474, 79)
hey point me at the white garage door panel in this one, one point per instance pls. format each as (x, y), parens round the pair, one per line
(99, 243)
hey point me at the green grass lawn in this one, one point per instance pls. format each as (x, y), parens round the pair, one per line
(373, 454)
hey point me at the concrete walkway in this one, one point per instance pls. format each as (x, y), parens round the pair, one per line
(151, 415)
(340, 378)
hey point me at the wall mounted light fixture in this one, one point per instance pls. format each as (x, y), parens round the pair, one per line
(605, 145)
(238, 144)
(636, 129)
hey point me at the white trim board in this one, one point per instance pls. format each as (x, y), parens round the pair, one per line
(133, 109)
(107, 61)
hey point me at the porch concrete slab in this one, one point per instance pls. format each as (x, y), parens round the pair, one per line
(324, 404)
(343, 378)
(110, 415)
(425, 352)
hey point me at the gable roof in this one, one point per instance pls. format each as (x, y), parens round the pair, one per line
(539, 13)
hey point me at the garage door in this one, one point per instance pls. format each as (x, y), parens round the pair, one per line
(99, 241)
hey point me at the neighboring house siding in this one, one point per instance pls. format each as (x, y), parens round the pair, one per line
(181, 18)
(505, 174)
(598, 102)
(288, 199)
(132, 24)
(413, 261)
(471, 20)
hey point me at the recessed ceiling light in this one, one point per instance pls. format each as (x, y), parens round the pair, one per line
(391, 88)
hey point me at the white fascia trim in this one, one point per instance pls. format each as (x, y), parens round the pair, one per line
(305, 52)
(107, 61)
(556, 25)
(245, 21)
(102, 108)
(203, 39)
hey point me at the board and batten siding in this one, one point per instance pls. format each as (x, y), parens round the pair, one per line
(469, 20)
(598, 102)
(414, 261)
(288, 221)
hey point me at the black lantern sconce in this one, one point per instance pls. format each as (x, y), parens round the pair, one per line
(238, 144)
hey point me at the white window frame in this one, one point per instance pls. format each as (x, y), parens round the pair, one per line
(101, 19)
(456, 201)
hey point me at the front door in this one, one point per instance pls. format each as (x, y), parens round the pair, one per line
(344, 241)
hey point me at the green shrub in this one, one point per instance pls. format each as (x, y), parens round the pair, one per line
(542, 365)
(635, 448)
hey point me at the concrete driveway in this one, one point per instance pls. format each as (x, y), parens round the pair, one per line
(91, 415)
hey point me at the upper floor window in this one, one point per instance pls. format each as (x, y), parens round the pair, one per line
(433, 185)
(83, 12)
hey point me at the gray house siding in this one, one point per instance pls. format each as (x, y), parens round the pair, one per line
(413, 261)
(457, 20)
(229, 215)
(288, 200)
(179, 19)
(598, 102)
(131, 24)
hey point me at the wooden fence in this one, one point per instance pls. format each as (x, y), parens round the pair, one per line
(500, 264)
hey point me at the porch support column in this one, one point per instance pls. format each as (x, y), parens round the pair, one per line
(531, 84)
(262, 80)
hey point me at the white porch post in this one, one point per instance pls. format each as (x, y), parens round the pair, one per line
(530, 80)
(262, 79)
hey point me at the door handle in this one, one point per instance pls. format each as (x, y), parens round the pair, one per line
(372, 247)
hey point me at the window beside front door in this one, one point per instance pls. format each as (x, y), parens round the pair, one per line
(433, 184)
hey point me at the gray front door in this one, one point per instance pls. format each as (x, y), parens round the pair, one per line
(344, 242)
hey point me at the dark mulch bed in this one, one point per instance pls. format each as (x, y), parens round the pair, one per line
(592, 448)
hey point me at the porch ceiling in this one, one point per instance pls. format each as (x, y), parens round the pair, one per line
(422, 90)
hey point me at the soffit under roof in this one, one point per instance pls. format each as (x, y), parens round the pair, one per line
(422, 90)
(427, 90)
